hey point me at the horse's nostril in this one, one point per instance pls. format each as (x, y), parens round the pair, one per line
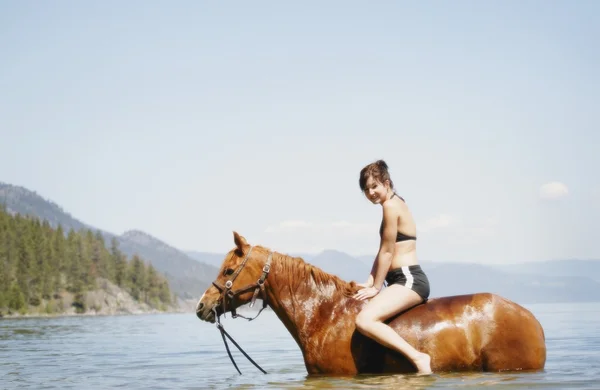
(200, 306)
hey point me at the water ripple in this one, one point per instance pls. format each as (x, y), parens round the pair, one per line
(178, 351)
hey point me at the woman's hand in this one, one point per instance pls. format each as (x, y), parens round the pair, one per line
(366, 293)
(364, 285)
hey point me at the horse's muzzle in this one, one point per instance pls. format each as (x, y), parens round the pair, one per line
(206, 312)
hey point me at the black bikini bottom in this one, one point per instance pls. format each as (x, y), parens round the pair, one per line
(411, 276)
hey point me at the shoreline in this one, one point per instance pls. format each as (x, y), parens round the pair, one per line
(183, 306)
(182, 309)
(88, 314)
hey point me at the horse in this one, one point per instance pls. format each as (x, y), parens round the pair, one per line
(476, 332)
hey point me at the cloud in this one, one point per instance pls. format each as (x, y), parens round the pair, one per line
(553, 190)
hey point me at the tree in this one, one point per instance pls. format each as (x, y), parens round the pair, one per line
(58, 257)
(37, 263)
(164, 293)
(152, 285)
(137, 278)
(25, 258)
(101, 256)
(118, 262)
(16, 299)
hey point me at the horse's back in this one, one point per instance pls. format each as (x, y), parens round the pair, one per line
(474, 331)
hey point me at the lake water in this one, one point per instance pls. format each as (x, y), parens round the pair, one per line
(179, 351)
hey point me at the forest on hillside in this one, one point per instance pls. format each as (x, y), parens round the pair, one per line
(40, 264)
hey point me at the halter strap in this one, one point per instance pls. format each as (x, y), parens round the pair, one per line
(226, 292)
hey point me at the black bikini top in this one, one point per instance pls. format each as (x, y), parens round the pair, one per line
(399, 236)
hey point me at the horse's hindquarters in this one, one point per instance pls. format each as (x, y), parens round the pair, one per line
(478, 332)
(518, 342)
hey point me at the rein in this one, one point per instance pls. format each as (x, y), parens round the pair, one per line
(227, 292)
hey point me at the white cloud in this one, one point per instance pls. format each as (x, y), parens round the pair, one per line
(553, 190)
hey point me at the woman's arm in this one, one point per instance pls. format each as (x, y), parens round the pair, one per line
(386, 246)
(384, 257)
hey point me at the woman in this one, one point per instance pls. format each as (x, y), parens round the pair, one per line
(395, 263)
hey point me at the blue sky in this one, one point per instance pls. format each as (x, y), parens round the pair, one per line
(190, 120)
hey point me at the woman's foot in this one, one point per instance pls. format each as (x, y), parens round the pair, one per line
(423, 363)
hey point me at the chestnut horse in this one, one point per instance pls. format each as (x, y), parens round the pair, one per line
(476, 332)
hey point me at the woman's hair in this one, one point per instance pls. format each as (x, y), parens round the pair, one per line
(378, 170)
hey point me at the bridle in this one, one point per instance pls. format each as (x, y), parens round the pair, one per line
(227, 293)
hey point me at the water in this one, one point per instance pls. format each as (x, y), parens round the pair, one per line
(179, 351)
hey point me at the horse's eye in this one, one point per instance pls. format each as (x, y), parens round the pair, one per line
(228, 272)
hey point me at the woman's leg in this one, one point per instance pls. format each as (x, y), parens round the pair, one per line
(391, 300)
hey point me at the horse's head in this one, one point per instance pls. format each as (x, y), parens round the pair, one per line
(241, 277)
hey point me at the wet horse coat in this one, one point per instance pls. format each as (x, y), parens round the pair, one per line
(476, 332)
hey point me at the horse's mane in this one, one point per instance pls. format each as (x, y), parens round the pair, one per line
(295, 267)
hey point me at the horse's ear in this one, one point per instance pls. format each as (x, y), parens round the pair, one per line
(240, 241)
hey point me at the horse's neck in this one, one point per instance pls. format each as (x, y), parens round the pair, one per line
(300, 301)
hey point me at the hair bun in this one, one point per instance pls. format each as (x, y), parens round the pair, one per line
(382, 164)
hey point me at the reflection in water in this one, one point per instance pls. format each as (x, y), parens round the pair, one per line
(372, 381)
(412, 381)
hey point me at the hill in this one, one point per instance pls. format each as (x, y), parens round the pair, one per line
(190, 273)
(187, 277)
(588, 268)
(212, 259)
(532, 284)
(535, 282)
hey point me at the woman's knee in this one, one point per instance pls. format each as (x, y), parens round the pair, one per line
(363, 321)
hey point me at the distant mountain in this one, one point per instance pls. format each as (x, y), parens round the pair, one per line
(535, 282)
(341, 264)
(187, 277)
(557, 268)
(332, 261)
(533, 285)
(367, 259)
(190, 273)
(25, 202)
(213, 259)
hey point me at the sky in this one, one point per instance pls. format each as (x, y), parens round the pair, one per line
(191, 120)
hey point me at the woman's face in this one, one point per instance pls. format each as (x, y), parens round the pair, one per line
(375, 190)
